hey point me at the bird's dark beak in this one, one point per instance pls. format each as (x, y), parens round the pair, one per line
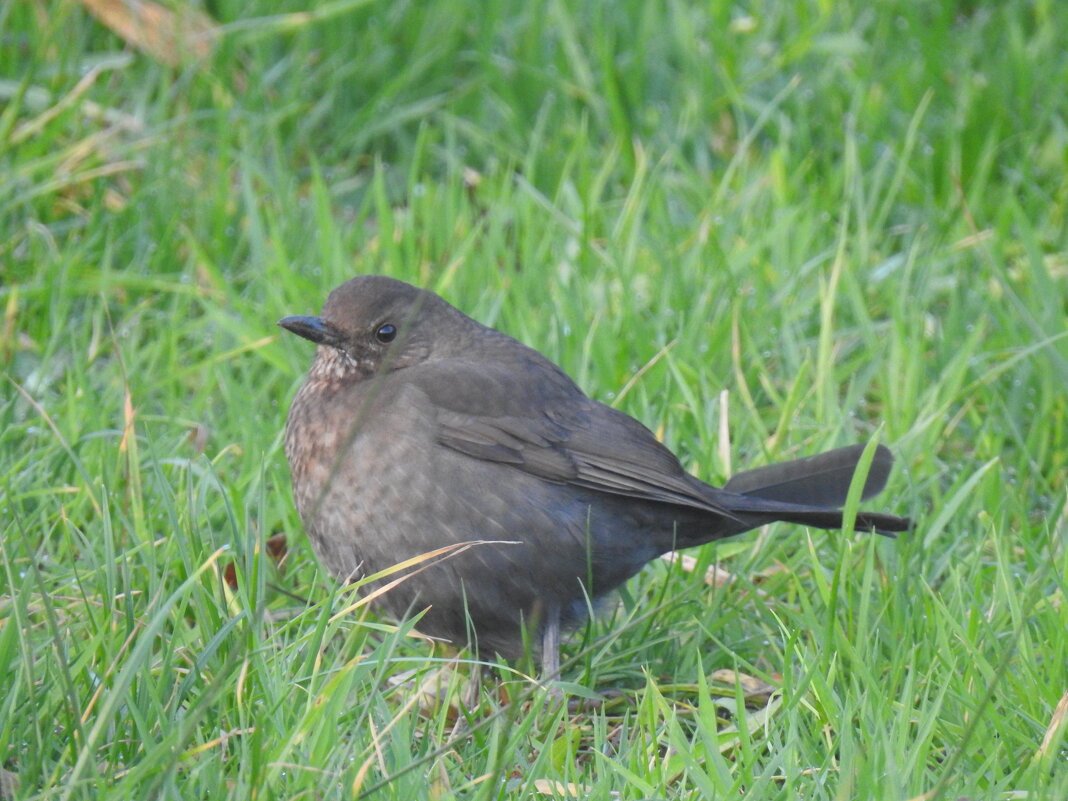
(316, 329)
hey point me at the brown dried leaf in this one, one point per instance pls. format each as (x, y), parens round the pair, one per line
(715, 576)
(276, 549)
(558, 788)
(9, 784)
(435, 689)
(756, 691)
(198, 437)
(172, 37)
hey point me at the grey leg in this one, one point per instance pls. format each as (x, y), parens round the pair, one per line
(550, 644)
(470, 694)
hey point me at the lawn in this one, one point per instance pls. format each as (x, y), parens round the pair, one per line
(763, 229)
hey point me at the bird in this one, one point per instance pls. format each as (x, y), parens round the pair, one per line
(421, 434)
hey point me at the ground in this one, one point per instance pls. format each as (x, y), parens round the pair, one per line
(763, 229)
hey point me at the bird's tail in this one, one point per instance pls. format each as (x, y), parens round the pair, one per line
(811, 491)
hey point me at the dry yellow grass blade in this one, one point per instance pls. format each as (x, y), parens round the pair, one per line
(423, 561)
(171, 37)
(1058, 726)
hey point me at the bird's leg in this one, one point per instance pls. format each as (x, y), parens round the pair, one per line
(550, 644)
(470, 695)
(550, 662)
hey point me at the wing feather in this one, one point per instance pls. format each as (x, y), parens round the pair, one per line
(548, 427)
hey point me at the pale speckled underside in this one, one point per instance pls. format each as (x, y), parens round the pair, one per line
(376, 511)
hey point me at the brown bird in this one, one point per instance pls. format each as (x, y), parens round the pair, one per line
(418, 428)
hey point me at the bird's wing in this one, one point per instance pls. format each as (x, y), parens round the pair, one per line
(534, 418)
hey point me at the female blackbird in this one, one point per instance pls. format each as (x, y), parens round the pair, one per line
(418, 429)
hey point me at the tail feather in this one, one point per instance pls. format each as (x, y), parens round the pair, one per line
(821, 480)
(811, 491)
(887, 525)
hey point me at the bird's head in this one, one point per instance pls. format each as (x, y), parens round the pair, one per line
(373, 324)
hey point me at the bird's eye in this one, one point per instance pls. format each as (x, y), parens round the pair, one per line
(386, 333)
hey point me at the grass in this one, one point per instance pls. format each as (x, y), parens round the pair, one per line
(848, 216)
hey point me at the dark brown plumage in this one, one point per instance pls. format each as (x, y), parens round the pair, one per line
(419, 428)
